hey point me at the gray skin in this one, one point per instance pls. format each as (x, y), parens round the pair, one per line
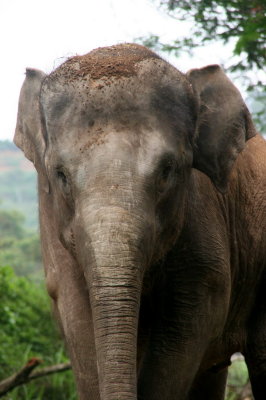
(153, 219)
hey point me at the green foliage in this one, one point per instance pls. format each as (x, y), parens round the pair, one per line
(23, 310)
(11, 224)
(237, 378)
(18, 247)
(245, 21)
(27, 331)
(238, 375)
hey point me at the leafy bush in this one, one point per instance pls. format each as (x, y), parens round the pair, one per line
(237, 379)
(28, 330)
(18, 247)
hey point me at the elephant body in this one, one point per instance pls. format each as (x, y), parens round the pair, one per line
(153, 219)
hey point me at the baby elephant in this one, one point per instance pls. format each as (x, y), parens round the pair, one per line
(153, 218)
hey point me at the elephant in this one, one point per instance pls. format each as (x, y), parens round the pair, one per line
(152, 216)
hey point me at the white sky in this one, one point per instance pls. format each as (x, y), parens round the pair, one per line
(40, 34)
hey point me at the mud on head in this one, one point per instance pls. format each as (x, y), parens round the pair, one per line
(125, 84)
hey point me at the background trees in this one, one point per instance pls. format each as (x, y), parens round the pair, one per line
(28, 331)
(27, 328)
(240, 20)
(19, 247)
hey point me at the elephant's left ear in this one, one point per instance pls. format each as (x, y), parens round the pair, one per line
(29, 133)
(224, 124)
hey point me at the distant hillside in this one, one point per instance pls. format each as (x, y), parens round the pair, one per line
(18, 183)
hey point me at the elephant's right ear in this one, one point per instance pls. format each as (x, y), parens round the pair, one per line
(29, 135)
(224, 124)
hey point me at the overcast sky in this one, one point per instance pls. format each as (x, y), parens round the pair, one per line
(42, 34)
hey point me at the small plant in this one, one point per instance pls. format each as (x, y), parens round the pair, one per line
(238, 381)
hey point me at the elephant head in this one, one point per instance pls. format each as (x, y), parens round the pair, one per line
(114, 136)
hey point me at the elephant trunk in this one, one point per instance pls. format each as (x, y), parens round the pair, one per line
(115, 315)
(113, 272)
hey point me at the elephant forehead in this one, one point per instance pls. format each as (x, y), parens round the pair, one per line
(113, 81)
(79, 117)
(139, 86)
(128, 103)
(96, 100)
(115, 61)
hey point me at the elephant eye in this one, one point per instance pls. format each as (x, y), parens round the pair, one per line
(166, 171)
(63, 181)
(166, 174)
(62, 177)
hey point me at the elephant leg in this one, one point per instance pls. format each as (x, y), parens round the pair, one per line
(169, 374)
(177, 345)
(209, 386)
(191, 299)
(255, 356)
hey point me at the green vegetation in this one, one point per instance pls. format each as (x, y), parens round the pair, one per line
(237, 380)
(18, 246)
(241, 20)
(19, 239)
(27, 327)
(27, 330)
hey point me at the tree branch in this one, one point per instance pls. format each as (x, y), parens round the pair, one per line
(26, 374)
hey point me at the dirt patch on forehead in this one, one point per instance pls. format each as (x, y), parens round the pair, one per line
(115, 61)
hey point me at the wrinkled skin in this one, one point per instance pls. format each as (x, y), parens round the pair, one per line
(152, 217)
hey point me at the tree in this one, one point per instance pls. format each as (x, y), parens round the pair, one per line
(27, 374)
(18, 247)
(241, 20)
(11, 224)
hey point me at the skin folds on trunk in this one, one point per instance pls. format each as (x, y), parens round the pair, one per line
(113, 271)
(115, 325)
